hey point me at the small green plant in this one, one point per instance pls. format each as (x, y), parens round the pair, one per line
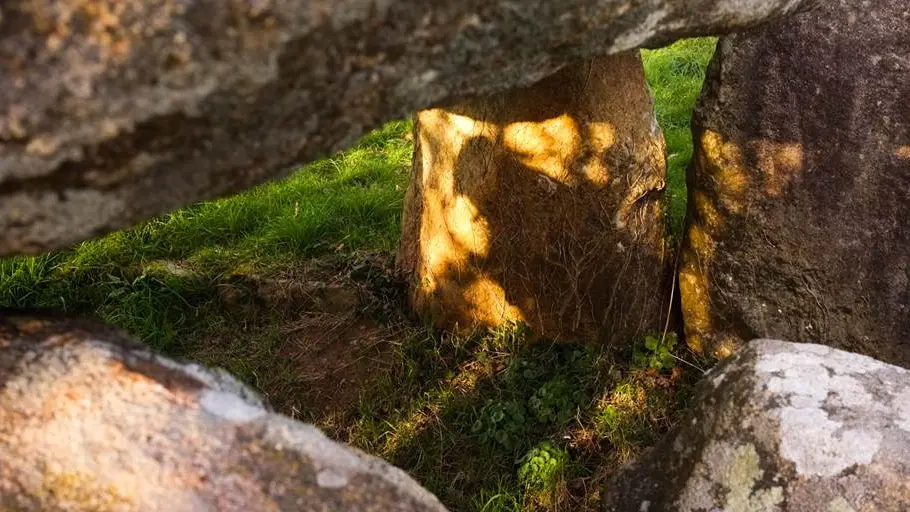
(555, 402)
(501, 423)
(656, 352)
(520, 371)
(543, 466)
(579, 359)
(608, 420)
(509, 336)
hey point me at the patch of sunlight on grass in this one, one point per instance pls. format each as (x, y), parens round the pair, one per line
(676, 74)
(630, 415)
(348, 202)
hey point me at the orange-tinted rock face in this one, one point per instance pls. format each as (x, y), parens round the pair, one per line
(89, 420)
(542, 205)
(800, 189)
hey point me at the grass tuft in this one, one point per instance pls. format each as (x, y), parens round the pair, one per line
(676, 74)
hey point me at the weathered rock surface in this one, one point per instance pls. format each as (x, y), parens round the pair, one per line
(800, 192)
(782, 427)
(112, 111)
(90, 421)
(543, 204)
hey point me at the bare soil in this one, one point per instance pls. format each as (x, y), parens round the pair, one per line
(320, 332)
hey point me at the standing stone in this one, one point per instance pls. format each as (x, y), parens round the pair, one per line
(89, 421)
(800, 191)
(542, 205)
(782, 427)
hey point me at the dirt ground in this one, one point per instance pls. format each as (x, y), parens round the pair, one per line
(322, 331)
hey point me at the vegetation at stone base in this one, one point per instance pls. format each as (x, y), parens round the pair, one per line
(656, 351)
(290, 287)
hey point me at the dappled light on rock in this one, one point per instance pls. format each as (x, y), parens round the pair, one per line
(542, 205)
(727, 189)
(799, 187)
(493, 298)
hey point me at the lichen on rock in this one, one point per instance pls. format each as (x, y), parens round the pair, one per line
(782, 426)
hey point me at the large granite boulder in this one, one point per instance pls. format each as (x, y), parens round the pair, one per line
(782, 427)
(112, 111)
(800, 191)
(91, 421)
(543, 205)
